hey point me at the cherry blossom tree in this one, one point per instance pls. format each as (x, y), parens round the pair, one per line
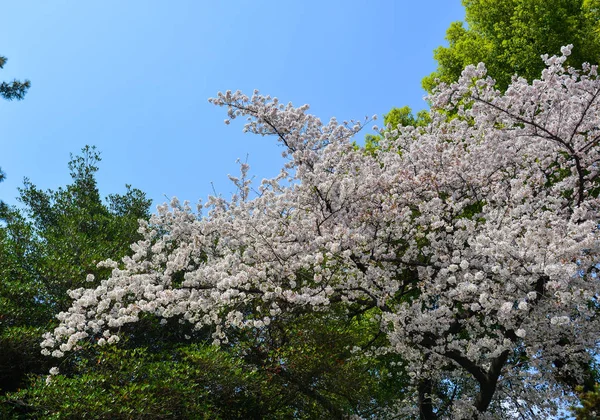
(474, 239)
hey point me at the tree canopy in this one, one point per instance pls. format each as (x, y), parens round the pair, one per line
(49, 246)
(509, 36)
(449, 269)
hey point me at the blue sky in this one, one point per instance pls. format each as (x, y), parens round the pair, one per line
(133, 78)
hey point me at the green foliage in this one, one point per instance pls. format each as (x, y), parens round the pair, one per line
(20, 355)
(590, 405)
(48, 247)
(74, 229)
(510, 36)
(324, 364)
(301, 366)
(194, 381)
(404, 117)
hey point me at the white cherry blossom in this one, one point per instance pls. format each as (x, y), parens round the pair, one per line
(475, 237)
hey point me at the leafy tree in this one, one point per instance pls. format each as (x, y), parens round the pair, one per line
(474, 249)
(324, 364)
(195, 381)
(590, 404)
(49, 246)
(509, 37)
(76, 229)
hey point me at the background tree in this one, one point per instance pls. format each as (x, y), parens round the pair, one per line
(300, 366)
(510, 36)
(15, 89)
(49, 246)
(10, 91)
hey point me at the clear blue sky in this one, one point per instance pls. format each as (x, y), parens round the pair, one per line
(133, 78)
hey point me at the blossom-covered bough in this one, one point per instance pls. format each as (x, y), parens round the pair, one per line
(476, 238)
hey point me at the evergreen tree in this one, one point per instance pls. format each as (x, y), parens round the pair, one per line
(15, 89)
(50, 246)
(10, 91)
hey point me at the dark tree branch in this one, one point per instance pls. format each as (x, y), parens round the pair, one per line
(425, 404)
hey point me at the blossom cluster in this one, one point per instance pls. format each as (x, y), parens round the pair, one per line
(475, 237)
